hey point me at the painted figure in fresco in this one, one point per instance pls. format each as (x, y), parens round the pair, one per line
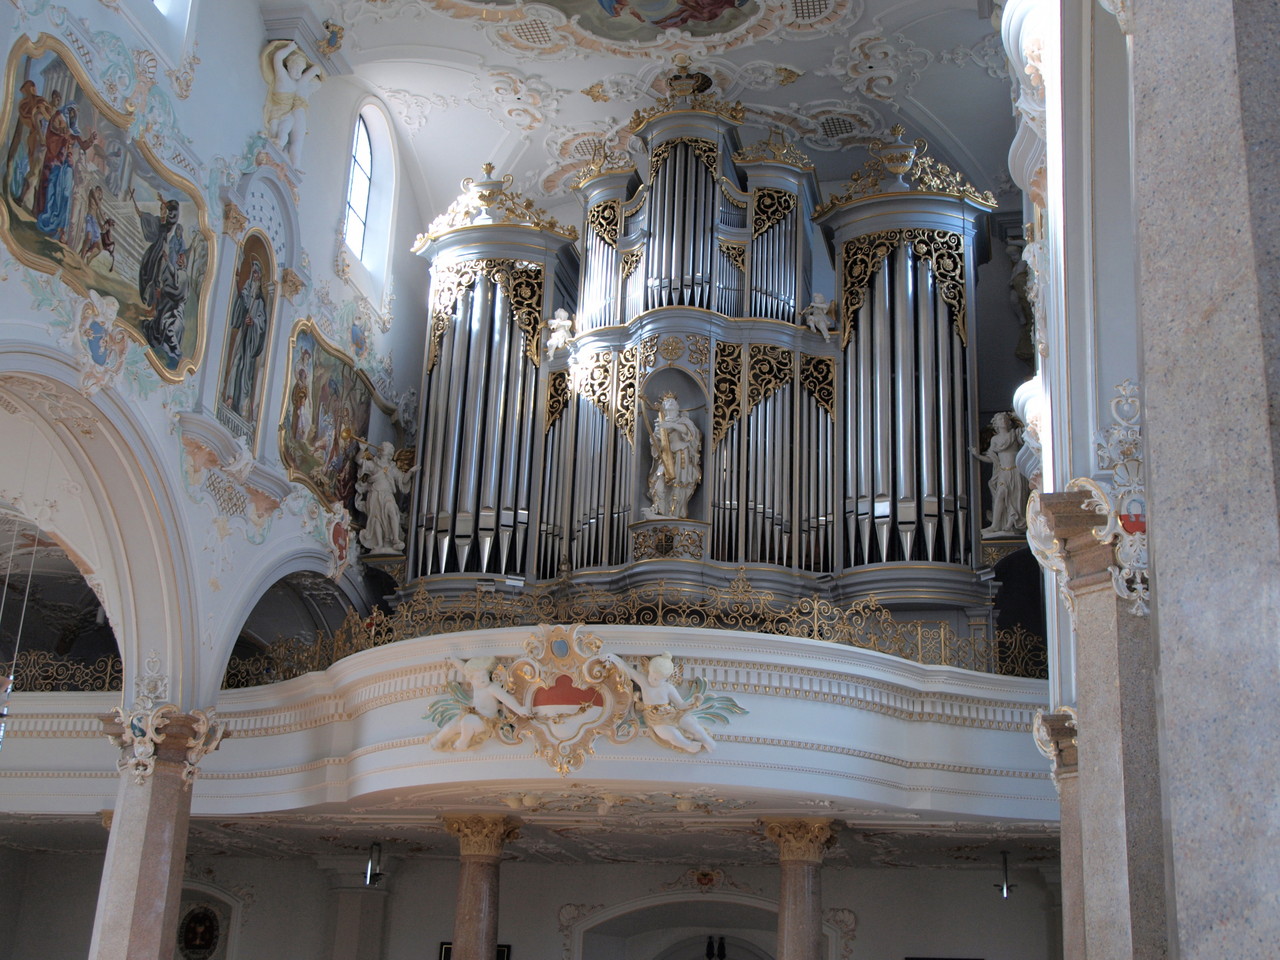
(57, 175)
(292, 82)
(163, 279)
(248, 339)
(26, 144)
(299, 398)
(666, 14)
(472, 724)
(675, 444)
(381, 480)
(1008, 486)
(666, 713)
(97, 230)
(817, 316)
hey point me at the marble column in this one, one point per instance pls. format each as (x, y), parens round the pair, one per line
(475, 921)
(1118, 791)
(801, 844)
(141, 888)
(1056, 736)
(356, 909)
(1206, 81)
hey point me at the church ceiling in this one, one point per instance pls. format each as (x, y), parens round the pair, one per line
(535, 88)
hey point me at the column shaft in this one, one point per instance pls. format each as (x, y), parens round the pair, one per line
(475, 921)
(800, 847)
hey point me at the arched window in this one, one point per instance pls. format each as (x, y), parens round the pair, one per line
(370, 194)
(358, 185)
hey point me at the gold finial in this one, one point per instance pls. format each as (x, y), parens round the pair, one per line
(488, 169)
(897, 130)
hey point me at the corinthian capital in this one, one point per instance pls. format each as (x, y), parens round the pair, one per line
(482, 836)
(800, 839)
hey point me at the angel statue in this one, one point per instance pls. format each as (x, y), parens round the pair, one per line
(817, 315)
(291, 81)
(470, 716)
(559, 331)
(670, 717)
(380, 481)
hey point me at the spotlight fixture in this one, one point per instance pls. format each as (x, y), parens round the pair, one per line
(373, 869)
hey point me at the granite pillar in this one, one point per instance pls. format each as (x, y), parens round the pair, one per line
(475, 921)
(141, 888)
(1207, 196)
(1118, 791)
(800, 848)
(1056, 735)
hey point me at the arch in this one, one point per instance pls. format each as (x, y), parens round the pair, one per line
(86, 471)
(735, 902)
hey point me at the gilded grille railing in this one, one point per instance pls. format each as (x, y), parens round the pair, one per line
(45, 672)
(739, 606)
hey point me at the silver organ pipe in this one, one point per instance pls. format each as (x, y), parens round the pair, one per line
(823, 458)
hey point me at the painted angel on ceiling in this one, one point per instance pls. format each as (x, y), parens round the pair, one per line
(667, 14)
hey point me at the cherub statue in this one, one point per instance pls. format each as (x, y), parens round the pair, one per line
(666, 713)
(817, 316)
(469, 721)
(381, 479)
(559, 331)
(291, 81)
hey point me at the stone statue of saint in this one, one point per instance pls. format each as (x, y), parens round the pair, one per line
(1008, 486)
(291, 81)
(675, 444)
(381, 480)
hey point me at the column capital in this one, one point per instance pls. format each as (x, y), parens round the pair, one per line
(1055, 735)
(149, 734)
(803, 840)
(482, 835)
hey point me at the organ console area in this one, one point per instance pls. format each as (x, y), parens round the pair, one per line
(757, 381)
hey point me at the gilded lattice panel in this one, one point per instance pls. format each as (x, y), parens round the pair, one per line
(769, 207)
(628, 369)
(668, 541)
(818, 376)
(942, 248)
(557, 396)
(735, 253)
(521, 282)
(630, 260)
(704, 150)
(648, 352)
(770, 367)
(728, 389)
(605, 218)
(699, 350)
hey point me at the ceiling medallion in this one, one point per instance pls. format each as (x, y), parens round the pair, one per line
(564, 693)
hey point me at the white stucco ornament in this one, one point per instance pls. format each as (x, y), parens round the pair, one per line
(564, 693)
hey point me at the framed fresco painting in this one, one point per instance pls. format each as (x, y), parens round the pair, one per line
(81, 198)
(327, 406)
(249, 322)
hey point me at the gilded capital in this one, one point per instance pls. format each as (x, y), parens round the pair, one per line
(482, 836)
(800, 839)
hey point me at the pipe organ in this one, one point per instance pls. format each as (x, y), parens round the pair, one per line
(713, 407)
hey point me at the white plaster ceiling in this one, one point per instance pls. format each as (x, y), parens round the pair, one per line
(532, 87)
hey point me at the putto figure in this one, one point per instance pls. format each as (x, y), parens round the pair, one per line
(467, 719)
(817, 316)
(291, 81)
(559, 331)
(675, 443)
(668, 715)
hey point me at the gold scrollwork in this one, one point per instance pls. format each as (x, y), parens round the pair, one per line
(520, 280)
(648, 352)
(770, 368)
(44, 672)
(605, 218)
(669, 542)
(671, 348)
(739, 606)
(593, 380)
(628, 364)
(942, 248)
(704, 150)
(557, 396)
(735, 253)
(630, 260)
(699, 350)
(768, 207)
(818, 376)
(728, 389)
